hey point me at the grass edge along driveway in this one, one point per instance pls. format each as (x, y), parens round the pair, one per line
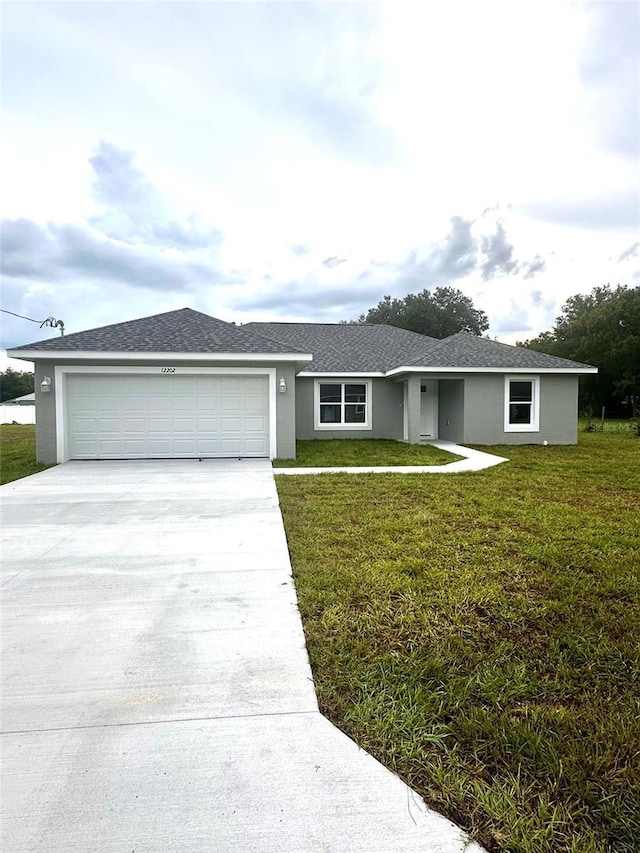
(478, 633)
(370, 452)
(18, 452)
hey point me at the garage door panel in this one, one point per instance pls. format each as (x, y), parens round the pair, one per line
(179, 425)
(230, 425)
(159, 446)
(84, 424)
(136, 424)
(231, 446)
(109, 425)
(159, 425)
(186, 446)
(110, 447)
(204, 425)
(255, 424)
(254, 403)
(138, 416)
(208, 405)
(253, 445)
(85, 448)
(132, 447)
(253, 385)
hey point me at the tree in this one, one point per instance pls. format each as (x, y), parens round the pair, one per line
(601, 328)
(438, 314)
(15, 383)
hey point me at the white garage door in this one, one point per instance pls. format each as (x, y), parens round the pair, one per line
(136, 416)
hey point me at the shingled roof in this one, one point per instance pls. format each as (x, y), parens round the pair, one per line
(355, 348)
(347, 347)
(184, 330)
(465, 350)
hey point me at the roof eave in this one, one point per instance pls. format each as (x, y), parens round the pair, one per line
(396, 371)
(336, 374)
(301, 358)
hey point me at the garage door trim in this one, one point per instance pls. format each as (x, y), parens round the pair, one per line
(62, 371)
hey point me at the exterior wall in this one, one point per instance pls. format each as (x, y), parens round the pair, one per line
(45, 415)
(559, 409)
(472, 404)
(386, 411)
(286, 413)
(414, 404)
(46, 437)
(451, 409)
(484, 411)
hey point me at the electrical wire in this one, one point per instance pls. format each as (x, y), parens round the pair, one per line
(22, 317)
(49, 321)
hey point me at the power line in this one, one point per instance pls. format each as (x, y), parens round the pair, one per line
(13, 313)
(50, 321)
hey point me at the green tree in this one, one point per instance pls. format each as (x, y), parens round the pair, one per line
(601, 328)
(15, 383)
(438, 314)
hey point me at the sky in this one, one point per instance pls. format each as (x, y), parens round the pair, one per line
(300, 160)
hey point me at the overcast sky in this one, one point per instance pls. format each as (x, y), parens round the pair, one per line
(298, 161)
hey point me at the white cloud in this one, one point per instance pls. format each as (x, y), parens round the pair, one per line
(350, 131)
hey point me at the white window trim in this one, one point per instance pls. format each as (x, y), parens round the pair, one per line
(534, 426)
(62, 371)
(341, 381)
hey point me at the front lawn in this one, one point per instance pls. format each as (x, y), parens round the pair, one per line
(346, 453)
(479, 634)
(18, 452)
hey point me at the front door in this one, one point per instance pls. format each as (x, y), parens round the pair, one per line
(428, 408)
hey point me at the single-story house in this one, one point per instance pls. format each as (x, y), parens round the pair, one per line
(184, 384)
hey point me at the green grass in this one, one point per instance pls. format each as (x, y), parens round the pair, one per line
(368, 451)
(480, 634)
(18, 452)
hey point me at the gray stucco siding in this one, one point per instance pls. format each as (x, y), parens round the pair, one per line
(286, 412)
(386, 410)
(46, 436)
(451, 409)
(559, 409)
(484, 402)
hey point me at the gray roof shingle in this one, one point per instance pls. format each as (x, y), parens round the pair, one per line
(465, 350)
(184, 330)
(354, 348)
(346, 347)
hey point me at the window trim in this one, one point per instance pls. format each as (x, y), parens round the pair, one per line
(317, 425)
(534, 426)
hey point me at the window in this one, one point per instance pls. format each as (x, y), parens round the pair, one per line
(342, 405)
(522, 404)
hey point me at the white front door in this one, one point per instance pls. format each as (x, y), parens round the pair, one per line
(428, 408)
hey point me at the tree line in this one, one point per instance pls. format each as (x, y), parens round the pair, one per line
(15, 383)
(601, 328)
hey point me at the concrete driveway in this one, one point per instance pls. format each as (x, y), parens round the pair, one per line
(156, 689)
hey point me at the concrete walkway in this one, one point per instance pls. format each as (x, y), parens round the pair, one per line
(156, 690)
(474, 460)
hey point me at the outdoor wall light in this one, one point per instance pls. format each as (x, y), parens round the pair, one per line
(282, 385)
(45, 385)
